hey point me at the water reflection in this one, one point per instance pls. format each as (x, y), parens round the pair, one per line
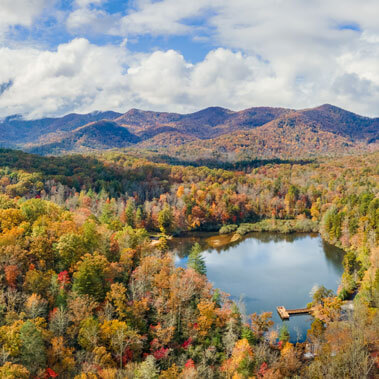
(334, 256)
(268, 269)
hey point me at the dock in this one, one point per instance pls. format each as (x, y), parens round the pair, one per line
(283, 313)
(286, 313)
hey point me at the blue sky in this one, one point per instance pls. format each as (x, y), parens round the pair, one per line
(49, 30)
(61, 56)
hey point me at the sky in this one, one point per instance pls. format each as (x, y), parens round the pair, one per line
(63, 56)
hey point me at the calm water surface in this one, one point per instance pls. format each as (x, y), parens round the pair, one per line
(266, 270)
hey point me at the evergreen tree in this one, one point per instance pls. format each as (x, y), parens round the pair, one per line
(196, 260)
(284, 334)
(90, 278)
(33, 353)
(129, 213)
(165, 219)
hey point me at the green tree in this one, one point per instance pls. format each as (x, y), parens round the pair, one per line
(91, 237)
(284, 334)
(129, 213)
(131, 238)
(165, 219)
(319, 293)
(32, 352)
(90, 277)
(34, 208)
(196, 260)
(107, 214)
(139, 217)
(70, 248)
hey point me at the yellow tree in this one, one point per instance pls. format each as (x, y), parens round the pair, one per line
(60, 358)
(117, 336)
(240, 364)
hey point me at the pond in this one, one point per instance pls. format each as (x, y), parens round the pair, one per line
(266, 270)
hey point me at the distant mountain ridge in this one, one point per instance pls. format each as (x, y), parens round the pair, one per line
(18, 131)
(257, 131)
(101, 135)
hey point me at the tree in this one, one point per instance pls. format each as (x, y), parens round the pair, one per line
(148, 369)
(91, 237)
(180, 192)
(34, 208)
(59, 321)
(196, 260)
(329, 310)
(79, 309)
(107, 215)
(162, 244)
(60, 357)
(129, 213)
(284, 334)
(260, 324)
(37, 281)
(11, 274)
(165, 219)
(90, 277)
(131, 238)
(139, 219)
(6, 202)
(289, 362)
(32, 352)
(70, 248)
(88, 336)
(118, 337)
(35, 306)
(290, 198)
(10, 339)
(10, 217)
(207, 316)
(319, 293)
(13, 371)
(241, 362)
(118, 299)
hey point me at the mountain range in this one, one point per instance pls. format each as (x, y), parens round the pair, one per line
(212, 132)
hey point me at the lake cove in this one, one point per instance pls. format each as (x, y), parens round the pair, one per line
(265, 270)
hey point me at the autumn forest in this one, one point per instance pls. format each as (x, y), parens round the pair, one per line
(90, 289)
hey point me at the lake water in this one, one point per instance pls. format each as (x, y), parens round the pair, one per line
(266, 270)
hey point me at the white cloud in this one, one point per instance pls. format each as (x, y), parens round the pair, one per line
(290, 53)
(89, 18)
(163, 17)
(86, 3)
(78, 76)
(314, 48)
(161, 78)
(90, 21)
(19, 12)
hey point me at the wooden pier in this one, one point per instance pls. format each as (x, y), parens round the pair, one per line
(283, 313)
(286, 313)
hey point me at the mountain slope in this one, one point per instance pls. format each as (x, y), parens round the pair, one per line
(14, 131)
(97, 135)
(348, 124)
(291, 135)
(259, 131)
(207, 123)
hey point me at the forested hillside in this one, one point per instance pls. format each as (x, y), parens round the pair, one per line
(86, 292)
(258, 132)
(15, 130)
